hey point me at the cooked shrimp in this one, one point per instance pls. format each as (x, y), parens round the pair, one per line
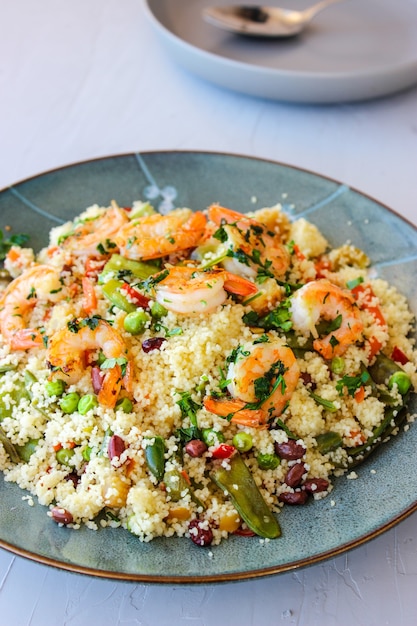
(36, 284)
(321, 299)
(154, 236)
(225, 407)
(93, 234)
(66, 355)
(253, 250)
(263, 377)
(189, 291)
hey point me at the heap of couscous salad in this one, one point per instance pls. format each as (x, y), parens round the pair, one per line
(190, 374)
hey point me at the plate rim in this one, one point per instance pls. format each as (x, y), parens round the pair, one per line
(401, 76)
(228, 576)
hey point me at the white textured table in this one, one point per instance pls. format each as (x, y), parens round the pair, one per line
(87, 79)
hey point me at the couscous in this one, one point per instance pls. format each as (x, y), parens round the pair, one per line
(189, 374)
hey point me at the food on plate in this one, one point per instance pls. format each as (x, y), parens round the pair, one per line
(190, 374)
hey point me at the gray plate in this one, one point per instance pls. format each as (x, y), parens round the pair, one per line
(363, 508)
(352, 51)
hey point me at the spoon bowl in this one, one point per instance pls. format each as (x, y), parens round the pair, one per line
(263, 21)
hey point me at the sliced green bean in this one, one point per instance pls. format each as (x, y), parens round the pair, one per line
(139, 269)
(393, 418)
(237, 481)
(155, 457)
(111, 289)
(176, 485)
(9, 447)
(327, 442)
(27, 449)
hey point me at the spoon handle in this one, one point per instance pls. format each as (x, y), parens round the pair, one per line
(316, 8)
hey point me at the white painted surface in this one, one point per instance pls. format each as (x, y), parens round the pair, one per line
(87, 79)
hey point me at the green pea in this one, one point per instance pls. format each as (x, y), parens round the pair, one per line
(402, 380)
(242, 441)
(158, 311)
(55, 387)
(69, 402)
(268, 461)
(212, 437)
(125, 405)
(86, 403)
(337, 365)
(135, 322)
(27, 449)
(64, 456)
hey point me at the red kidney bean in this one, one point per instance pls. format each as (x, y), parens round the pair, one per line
(73, 477)
(316, 485)
(293, 497)
(61, 516)
(154, 343)
(115, 446)
(97, 378)
(200, 533)
(290, 450)
(308, 381)
(295, 474)
(195, 448)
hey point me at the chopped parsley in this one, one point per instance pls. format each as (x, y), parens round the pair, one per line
(109, 364)
(188, 406)
(352, 383)
(13, 240)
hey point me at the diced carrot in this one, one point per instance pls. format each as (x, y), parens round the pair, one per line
(89, 296)
(13, 255)
(367, 296)
(300, 255)
(360, 394)
(110, 389)
(185, 476)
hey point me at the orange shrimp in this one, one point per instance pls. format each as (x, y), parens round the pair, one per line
(263, 376)
(154, 236)
(321, 299)
(189, 291)
(255, 250)
(90, 234)
(38, 283)
(66, 356)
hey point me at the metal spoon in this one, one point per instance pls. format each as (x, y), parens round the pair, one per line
(262, 21)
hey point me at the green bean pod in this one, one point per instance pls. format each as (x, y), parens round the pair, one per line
(176, 485)
(139, 269)
(327, 442)
(155, 457)
(27, 449)
(111, 289)
(393, 418)
(238, 483)
(9, 447)
(20, 392)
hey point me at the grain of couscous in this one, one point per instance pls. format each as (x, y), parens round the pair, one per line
(190, 374)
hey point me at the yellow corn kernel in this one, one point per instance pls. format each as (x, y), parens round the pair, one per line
(230, 522)
(114, 491)
(180, 513)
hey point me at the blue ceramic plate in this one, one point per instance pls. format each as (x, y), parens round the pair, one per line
(358, 510)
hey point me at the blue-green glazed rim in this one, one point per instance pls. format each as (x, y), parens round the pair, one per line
(385, 492)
